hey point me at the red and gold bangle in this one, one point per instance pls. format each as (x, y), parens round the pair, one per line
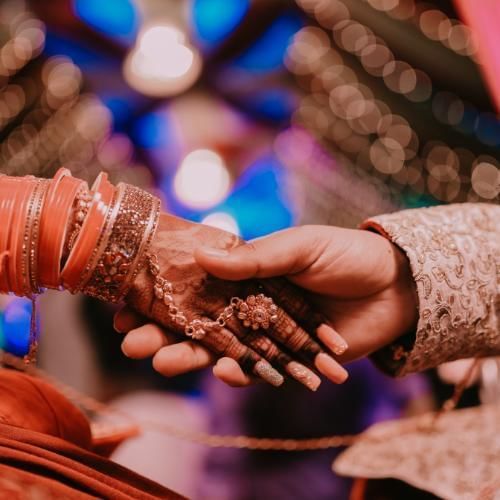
(16, 268)
(76, 269)
(7, 208)
(54, 224)
(30, 244)
(24, 261)
(130, 236)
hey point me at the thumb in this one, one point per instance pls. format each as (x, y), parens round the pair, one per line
(282, 253)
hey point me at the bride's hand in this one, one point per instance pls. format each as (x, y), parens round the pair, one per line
(357, 279)
(285, 344)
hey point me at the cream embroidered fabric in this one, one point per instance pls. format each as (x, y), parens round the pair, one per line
(454, 252)
(458, 459)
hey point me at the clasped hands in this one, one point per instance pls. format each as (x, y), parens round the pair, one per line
(341, 294)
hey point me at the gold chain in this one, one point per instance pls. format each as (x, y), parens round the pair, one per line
(216, 440)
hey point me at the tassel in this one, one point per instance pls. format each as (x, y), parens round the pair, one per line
(31, 357)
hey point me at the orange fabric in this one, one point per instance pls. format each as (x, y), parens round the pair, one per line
(31, 403)
(45, 442)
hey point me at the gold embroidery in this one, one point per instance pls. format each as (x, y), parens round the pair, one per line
(454, 252)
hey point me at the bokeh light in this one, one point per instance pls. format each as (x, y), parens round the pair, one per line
(117, 18)
(16, 321)
(485, 179)
(222, 220)
(202, 179)
(214, 20)
(163, 62)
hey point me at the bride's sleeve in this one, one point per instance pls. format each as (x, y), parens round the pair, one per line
(454, 253)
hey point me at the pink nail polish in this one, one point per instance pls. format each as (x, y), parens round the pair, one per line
(330, 368)
(303, 375)
(332, 339)
(340, 345)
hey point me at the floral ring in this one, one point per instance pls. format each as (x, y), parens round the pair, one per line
(256, 311)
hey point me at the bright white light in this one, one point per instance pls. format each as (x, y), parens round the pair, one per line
(202, 180)
(162, 62)
(223, 221)
(161, 54)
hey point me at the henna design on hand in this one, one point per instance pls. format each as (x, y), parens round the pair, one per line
(201, 296)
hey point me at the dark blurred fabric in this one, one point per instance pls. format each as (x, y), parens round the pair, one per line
(367, 397)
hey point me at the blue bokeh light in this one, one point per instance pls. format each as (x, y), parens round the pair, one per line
(120, 108)
(16, 321)
(276, 104)
(214, 20)
(259, 202)
(152, 130)
(268, 52)
(116, 18)
(90, 61)
(488, 129)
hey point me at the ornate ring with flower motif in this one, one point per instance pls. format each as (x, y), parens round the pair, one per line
(256, 311)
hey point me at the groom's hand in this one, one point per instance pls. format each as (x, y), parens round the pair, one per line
(358, 279)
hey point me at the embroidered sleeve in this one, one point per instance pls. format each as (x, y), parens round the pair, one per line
(454, 253)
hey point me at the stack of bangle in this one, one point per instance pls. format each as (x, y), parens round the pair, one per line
(79, 263)
(105, 234)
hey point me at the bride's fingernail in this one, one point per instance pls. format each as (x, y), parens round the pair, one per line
(330, 368)
(332, 339)
(214, 252)
(303, 375)
(268, 373)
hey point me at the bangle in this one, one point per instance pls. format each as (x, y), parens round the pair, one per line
(79, 261)
(131, 232)
(16, 267)
(8, 203)
(31, 238)
(7, 206)
(54, 224)
(145, 203)
(80, 210)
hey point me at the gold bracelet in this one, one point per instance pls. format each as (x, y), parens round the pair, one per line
(130, 234)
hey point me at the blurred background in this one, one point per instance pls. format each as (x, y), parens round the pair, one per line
(252, 116)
